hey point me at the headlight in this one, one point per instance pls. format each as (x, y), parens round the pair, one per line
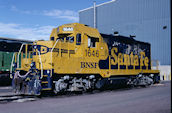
(91, 76)
(66, 77)
(31, 64)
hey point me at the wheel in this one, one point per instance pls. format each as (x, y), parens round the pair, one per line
(37, 86)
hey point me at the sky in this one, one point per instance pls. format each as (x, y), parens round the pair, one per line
(35, 19)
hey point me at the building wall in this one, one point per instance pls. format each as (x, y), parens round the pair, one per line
(149, 20)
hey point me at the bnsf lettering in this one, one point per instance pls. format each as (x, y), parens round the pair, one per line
(125, 59)
(88, 65)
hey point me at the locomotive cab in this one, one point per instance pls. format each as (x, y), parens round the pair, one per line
(23, 59)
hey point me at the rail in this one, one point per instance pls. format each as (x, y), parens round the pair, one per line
(52, 55)
(41, 63)
(19, 55)
(12, 66)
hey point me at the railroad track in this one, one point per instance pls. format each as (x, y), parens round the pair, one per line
(25, 98)
(16, 98)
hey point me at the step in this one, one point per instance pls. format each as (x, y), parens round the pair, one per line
(45, 75)
(46, 89)
(44, 82)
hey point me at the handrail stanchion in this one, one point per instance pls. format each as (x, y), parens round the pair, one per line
(19, 55)
(12, 65)
(52, 55)
(41, 63)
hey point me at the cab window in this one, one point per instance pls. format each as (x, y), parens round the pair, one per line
(62, 39)
(67, 39)
(52, 38)
(71, 39)
(78, 39)
(92, 41)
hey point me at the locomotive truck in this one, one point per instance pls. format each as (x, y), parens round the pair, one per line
(79, 58)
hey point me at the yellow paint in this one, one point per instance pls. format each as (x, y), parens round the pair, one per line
(44, 82)
(170, 75)
(45, 89)
(45, 75)
(114, 61)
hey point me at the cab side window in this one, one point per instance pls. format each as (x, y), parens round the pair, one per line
(71, 39)
(92, 41)
(78, 39)
(62, 39)
(67, 39)
(52, 38)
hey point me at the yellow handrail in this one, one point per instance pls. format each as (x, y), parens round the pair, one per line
(52, 55)
(41, 63)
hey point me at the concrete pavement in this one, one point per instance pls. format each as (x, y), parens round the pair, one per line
(153, 99)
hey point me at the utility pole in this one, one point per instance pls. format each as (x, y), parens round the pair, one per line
(94, 6)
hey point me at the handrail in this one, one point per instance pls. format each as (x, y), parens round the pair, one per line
(19, 54)
(41, 63)
(157, 64)
(11, 66)
(22, 76)
(52, 55)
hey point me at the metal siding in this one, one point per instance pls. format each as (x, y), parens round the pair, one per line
(84, 18)
(6, 60)
(143, 18)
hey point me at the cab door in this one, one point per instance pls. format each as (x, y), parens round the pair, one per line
(79, 45)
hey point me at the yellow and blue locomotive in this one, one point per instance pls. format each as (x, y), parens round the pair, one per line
(79, 58)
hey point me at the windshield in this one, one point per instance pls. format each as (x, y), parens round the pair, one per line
(66, 38)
